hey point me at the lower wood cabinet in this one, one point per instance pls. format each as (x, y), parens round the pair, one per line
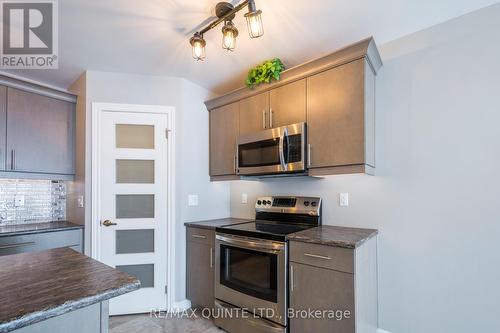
(200, 267)
(41, 241)
(345, 294)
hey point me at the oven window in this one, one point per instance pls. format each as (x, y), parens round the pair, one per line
(250, 272)
(261, 153)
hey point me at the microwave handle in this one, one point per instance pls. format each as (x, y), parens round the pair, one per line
(282, 150)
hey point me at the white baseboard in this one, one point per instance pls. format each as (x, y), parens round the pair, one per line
(182, 305)
(382, 331)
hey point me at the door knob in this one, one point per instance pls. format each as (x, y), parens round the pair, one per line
(108, 223)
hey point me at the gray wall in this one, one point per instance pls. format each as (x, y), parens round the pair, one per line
(191, 127)
(435, 197)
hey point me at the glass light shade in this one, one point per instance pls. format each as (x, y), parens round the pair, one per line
(229, 34)
(198, 44)
(254, 23)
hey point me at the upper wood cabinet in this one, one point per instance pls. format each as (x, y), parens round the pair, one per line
(40, 134)
(224, 125)
(254, 113)
(340, 116)
(334, 95)
(287, 104)
(3, 127)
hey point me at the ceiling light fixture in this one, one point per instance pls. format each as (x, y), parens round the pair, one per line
(229, 34)
(226, 12)
(198, 44)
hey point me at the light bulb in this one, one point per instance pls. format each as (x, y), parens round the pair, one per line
(198, 44)
(254, 23)
(229, 34)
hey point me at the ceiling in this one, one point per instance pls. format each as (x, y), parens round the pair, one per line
(151, 36)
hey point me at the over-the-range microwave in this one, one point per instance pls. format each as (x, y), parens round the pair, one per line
(279, 150)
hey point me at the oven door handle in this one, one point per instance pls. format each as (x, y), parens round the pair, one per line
(282, 149)
(263, 246)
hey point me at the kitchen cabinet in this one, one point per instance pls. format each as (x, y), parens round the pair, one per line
(41, 241)
(330, 278)
(340, 116)
(334, 95)
(224, 129)
(200, 271)
(254, 113)
(3, 126)
(40, 134)
(287, 104)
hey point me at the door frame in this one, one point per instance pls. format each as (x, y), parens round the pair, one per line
(95, 232)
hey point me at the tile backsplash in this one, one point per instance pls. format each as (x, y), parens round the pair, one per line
(44, 200)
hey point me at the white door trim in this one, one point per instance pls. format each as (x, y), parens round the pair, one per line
(97, 109)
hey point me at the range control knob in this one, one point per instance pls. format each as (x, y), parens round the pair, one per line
(259, 202)
(269, 202)
(306, 203)
(314, 203)
(264, 202)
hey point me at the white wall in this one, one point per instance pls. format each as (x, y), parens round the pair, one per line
(191, 130)
(435, 197)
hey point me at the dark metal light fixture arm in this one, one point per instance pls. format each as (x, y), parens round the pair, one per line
(229, 14)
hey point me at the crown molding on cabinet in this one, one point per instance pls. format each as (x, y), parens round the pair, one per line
(363, 49)
(33, 87)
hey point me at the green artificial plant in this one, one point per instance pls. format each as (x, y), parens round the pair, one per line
(265, 72)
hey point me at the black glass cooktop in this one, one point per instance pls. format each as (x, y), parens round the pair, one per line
(264, 229)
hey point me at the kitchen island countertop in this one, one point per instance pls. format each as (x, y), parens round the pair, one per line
(42, 285)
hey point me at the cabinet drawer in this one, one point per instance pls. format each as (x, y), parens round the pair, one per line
(40, 242)
(336, 258)
(203, 236)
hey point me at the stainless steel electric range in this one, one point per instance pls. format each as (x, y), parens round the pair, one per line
(252, 264)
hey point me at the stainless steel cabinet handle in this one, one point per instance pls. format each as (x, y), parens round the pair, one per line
(234, 163)
(11, 246)
(292, 287)
(317, 256)
(308, 155)
(199, 236)
(211, 258)
(264, 119)
(271, 118)
(13, 159)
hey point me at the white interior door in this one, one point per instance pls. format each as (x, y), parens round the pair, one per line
(133, 204)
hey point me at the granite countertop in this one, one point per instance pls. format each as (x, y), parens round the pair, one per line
(334, 236)
(212, 224)
(34, 228)
(41, 285)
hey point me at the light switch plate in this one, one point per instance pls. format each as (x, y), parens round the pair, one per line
(244, 198)
(19, 200)
(344, 199)
(193, 200)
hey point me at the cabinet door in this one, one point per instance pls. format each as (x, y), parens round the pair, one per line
(3, 127)
(40, 133)
(254, 113)
(335, 116)
(321, 289)
(288, 104)
(224, 124)
(200, 274)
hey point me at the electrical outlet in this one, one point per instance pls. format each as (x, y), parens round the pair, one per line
(193, 200)
(344, 199)
(19, 200)
(244, 198)
(80, 201)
